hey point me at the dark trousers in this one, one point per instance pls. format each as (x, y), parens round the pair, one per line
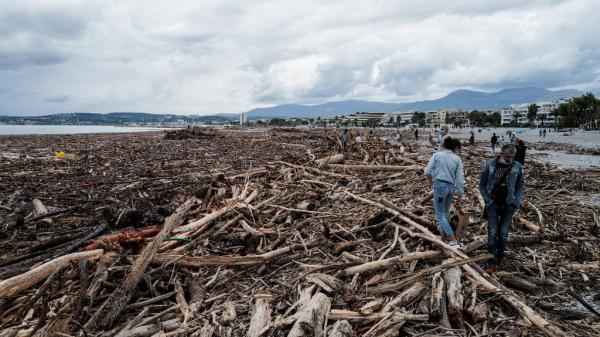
(499, 217)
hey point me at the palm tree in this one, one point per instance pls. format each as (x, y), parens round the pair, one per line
(515, 120)
(532, 112)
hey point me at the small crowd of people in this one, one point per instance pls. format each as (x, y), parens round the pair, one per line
(501, 185)
(347, 142)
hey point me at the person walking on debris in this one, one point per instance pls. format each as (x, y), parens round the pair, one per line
(519, 144)
(493, 142)
(344, 139)
(501, 185)
(540, 133)
(433, 138)
(438, 138)
(416, 134)
(544, 133)
(358, 141)
(472, 139)
(445, 170)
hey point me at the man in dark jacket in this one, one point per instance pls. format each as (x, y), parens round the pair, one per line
(501, 185)
(344, 139)
(520, 154)
(493, 142)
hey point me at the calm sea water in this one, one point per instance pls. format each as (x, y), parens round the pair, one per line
(68, 129)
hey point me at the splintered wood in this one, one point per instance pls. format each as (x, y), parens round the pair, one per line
(277, 233)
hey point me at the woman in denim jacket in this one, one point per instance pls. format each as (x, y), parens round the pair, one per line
(445, 169)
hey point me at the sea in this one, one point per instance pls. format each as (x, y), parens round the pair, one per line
(70, 129)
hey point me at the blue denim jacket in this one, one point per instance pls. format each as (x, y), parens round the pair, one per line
(446, 166)
(515, 182)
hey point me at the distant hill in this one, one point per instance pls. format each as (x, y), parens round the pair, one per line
(113, 118)
(459, 99)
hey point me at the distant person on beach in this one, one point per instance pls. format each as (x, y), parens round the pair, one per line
(358, 141)
(501, 185)
(519, 145)
(493, 142)
(439, 137)
(445, 170)
(416, 134)
(472, 139)
(344, 139)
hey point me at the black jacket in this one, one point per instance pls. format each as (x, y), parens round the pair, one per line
(520, 155)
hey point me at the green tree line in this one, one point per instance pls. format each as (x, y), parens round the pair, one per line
(579, 112)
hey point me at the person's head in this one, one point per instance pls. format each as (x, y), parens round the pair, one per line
(494, 134)
(508, 153)
(451, 144)
(345, 130)
(444, 129)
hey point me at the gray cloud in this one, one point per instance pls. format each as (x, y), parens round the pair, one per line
(229, 56)
(57, 99)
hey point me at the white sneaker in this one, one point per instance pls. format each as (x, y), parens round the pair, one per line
(455, 245)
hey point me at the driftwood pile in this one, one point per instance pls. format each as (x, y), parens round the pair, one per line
(194, 132)
(277, 233)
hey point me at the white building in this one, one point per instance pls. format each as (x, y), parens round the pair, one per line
(401, 117)
(516, 111)
(243, 118)
(544, 113)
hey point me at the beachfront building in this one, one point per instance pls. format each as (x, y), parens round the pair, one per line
(456, 117)
(432, 119)
(398, 118)
(545, 112)
(363, 118)
(518, 113)
(243, 118)
(391, 118)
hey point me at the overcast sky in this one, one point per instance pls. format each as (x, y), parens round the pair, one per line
(201, 57)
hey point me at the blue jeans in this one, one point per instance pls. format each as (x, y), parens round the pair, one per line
(499, 217)
(442, 199)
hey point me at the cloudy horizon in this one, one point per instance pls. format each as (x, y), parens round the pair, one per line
(231, 56)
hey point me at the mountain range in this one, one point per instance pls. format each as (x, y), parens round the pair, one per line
(459, 99)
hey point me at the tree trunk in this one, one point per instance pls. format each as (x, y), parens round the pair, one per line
(452, 277)
(406, 297)
(261, 317)
(341, 329)
(386, 263)
(336, 158)
(310, 318)
(15, 285)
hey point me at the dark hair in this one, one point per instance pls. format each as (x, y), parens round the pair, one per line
(451, 144)
(508, 148)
